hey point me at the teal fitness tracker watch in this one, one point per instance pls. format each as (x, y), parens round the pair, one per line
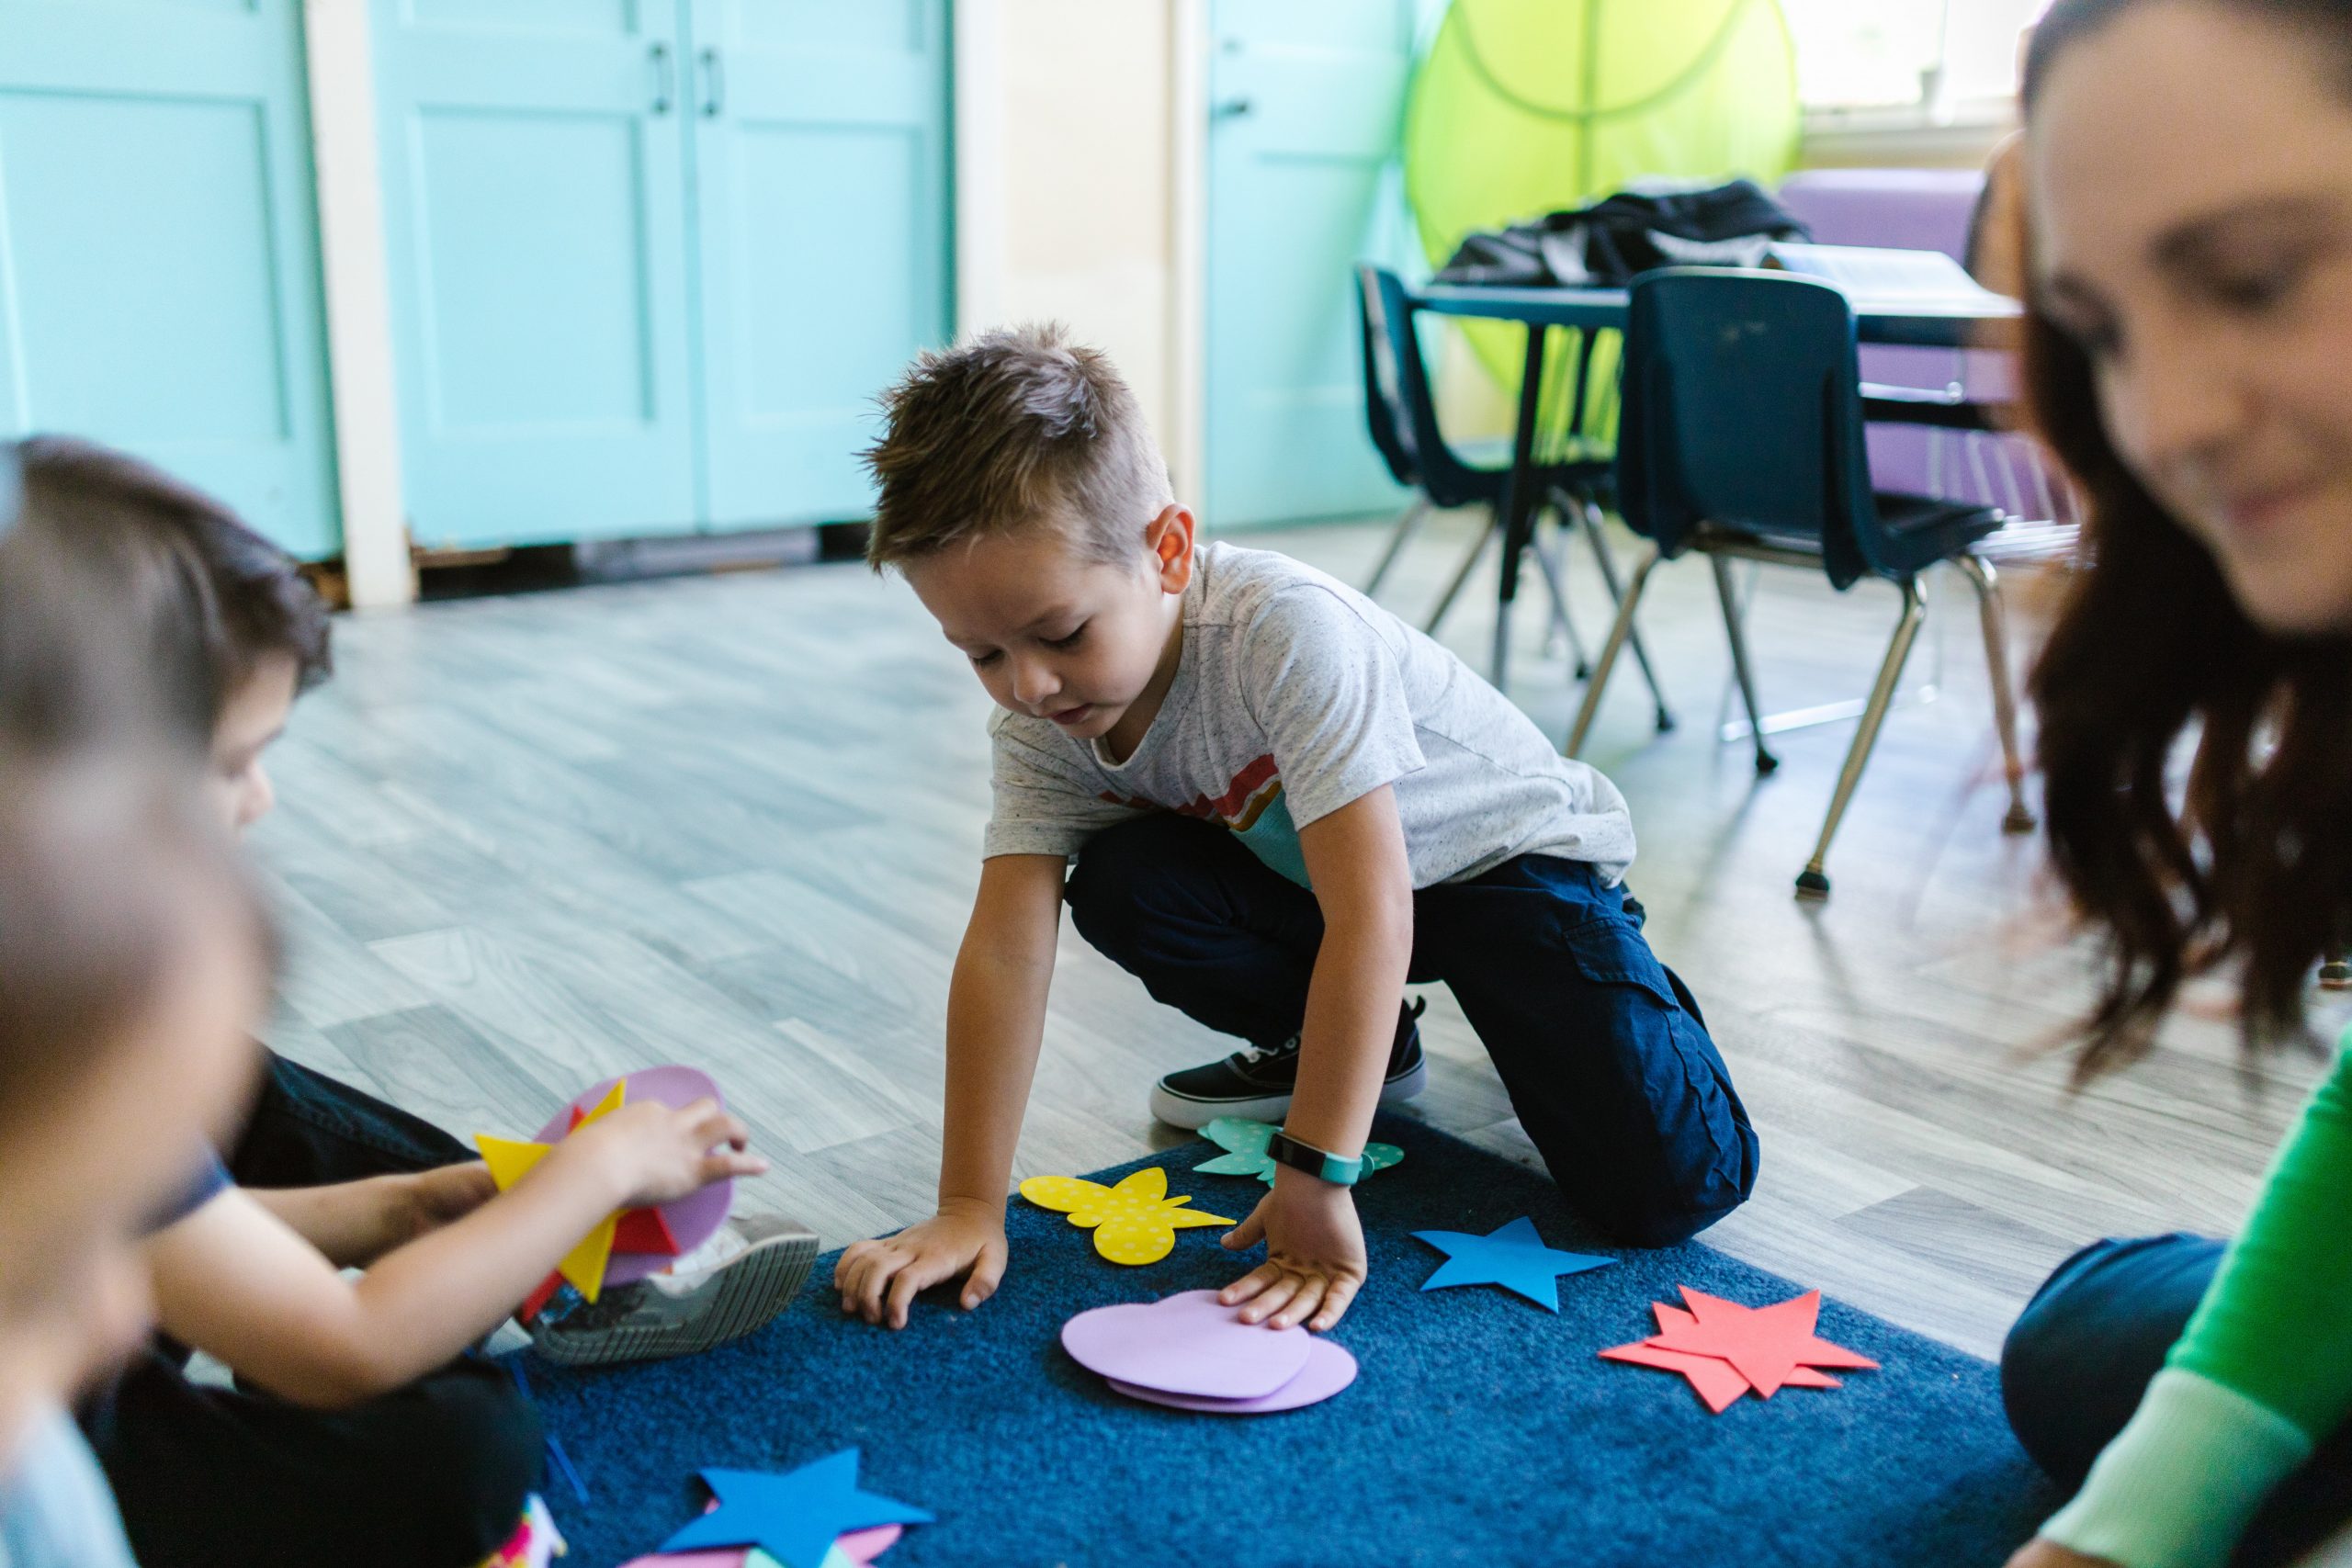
(1339, 1170)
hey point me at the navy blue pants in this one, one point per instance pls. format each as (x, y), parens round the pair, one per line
(1599, 1046)
(2082, 1353)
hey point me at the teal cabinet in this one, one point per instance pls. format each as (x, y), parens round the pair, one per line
(1305, 105)
(159, 270)
(652, 259)
(824, 239)
(535, 207)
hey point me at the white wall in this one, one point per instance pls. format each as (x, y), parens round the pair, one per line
(1070, 181)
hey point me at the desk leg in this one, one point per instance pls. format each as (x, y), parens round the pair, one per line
(1518, 500)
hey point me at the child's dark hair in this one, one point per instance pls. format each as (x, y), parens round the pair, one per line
(203, 597)
(1015, 428)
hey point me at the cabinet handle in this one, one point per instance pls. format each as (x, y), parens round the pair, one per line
(714, 84)
(665, 78)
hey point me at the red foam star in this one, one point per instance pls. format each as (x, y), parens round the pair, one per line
(1724, 1349)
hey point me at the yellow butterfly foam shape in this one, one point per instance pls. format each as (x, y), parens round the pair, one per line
(1134, 1222)
(511, 1159)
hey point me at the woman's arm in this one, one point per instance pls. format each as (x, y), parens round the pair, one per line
(2263, 1371)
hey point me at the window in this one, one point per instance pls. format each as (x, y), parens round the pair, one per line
(1932, 62)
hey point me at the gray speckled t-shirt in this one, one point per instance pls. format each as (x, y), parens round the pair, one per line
(1295, 696)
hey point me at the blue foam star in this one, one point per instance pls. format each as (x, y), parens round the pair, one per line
(793, 1517)
(1514, 1257)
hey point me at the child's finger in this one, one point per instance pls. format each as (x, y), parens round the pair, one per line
(1336, 1301)
(1246, 1234)
(853, 1257)
(1308, 1297)
(987, 1270)
(717, 1167)
(1249, 1284)
(915, 1276)
(1271, 1300)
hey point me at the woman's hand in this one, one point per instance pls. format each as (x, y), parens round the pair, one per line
(1314, 1258)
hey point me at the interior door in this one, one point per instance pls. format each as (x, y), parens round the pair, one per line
(1307, 97)
(535, 189)
(159, 273)
(822, 189)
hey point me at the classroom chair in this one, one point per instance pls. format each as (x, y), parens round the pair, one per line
(1400, 411)
(1741, 438)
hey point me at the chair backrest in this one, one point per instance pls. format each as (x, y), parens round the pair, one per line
(1443, 477)
(1743, 409)
(1385, 414)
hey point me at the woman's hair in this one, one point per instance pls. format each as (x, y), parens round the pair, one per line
(202, 598)
(2251, 861)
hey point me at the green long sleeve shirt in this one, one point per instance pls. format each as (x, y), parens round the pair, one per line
(2263, 1371)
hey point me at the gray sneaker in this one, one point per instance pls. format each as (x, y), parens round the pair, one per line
(735, 1283)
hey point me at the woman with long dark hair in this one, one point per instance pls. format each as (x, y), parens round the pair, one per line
(2189, 356)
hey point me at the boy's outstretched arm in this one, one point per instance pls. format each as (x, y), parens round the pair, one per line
(1314, 1253)
(996, 1020)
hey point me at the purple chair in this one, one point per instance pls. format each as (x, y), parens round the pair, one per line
(1926, 209)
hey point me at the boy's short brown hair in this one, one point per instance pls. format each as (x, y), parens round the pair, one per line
(200, 596)
(1019, 426)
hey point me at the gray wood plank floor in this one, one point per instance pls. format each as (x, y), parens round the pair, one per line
(733, 820)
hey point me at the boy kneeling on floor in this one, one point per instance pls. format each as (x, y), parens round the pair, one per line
(1285, 805)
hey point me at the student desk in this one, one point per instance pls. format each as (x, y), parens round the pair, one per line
(1913, 321)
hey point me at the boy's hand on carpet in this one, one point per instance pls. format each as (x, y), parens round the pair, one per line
(1314, 1258)
(658, 1154)
(878, 1279)
(2041, 1554)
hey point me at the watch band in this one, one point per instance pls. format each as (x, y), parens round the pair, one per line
(1339, 1170)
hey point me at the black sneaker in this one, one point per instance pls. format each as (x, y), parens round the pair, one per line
(1257, 1084)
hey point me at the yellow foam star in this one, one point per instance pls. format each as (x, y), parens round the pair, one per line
(511, 1159)
(1134, 1222)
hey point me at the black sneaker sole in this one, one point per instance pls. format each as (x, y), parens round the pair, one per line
(746, 1294)
(1192, 1113)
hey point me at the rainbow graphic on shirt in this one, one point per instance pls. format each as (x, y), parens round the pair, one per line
(1252, 806)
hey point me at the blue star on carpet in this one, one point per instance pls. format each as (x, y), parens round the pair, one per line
(1513, 1257)
(793, 1517)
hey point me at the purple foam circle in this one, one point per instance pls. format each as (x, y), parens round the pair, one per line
(1186, 1344)
(1329, 1367)
(693, 1219)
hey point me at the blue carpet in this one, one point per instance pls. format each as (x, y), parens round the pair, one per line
(1483, 1431)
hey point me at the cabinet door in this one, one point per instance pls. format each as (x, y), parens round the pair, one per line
(821, 190)
(1306, 99)
(159, 276)
(535, 204)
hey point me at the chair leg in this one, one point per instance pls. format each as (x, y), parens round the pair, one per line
(1408, 522)
(1462, 573)
(1560, 617)
(1587, 512)
(1619, 630)
(1980, 573)
(1735, 625)
(1813, 881)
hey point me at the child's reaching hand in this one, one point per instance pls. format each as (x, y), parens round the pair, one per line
(877, 1279)
(1314, 1256)
(654, 1153)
